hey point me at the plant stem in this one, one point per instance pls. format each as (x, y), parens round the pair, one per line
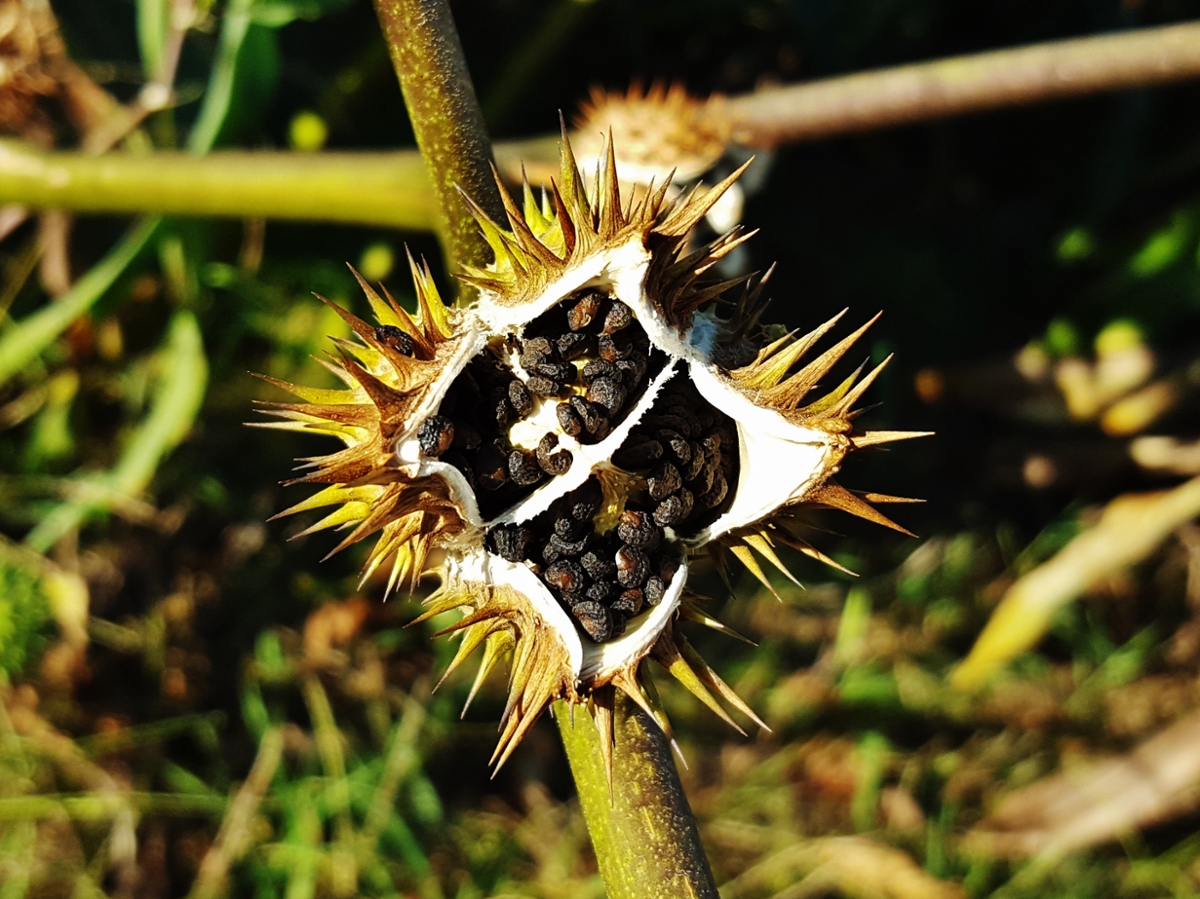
(446, 120)
(961, 84)
(646, 836)
(644, 833)
(390, 189)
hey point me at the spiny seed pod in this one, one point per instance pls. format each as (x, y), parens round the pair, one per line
(605, 449)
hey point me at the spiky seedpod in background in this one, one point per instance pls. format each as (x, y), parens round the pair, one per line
(602, 414)
(663, 133)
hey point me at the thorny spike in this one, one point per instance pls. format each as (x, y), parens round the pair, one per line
(875, 438)
(498, 645)
(713, 681)
(671, 659)
(838, 497)
(762, 544)
(847, 402)
(746, 557)
(602, 717)
(686, 216)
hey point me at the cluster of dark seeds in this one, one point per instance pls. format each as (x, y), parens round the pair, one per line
(587, 352)
(591, 354)
(602, 579)
(688, 452)
(471, 430)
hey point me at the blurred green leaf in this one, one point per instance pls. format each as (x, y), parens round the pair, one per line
(24, 614)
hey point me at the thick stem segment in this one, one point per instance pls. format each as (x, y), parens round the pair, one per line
(644, 833)
(446, 119)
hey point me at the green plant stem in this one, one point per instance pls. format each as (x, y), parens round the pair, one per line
(644, 833)
(446, 120)
(389, 189)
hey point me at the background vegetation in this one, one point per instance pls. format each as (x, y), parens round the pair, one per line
(195, 704)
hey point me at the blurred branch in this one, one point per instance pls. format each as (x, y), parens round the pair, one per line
(936, 90)
(446, 120)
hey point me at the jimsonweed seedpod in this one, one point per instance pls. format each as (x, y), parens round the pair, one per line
(605, 411)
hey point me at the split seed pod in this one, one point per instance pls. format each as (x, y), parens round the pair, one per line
(603, 413)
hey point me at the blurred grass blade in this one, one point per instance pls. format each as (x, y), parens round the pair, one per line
(1131, 528)
(25, 340)
(235, 25)
(176, 404)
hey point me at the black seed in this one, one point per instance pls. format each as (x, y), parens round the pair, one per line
(703, 481)
(568, 420)
(632, 370)
(602, 592)
(519, 398)
(510, 542)
(598, 368)
(582, 313)
(715, 494)
(573, 599)
(523, 468)
(614, 347)
(585, 502)
(491, 467)
(565, 575)
(595, 421)
(500, 408)
(535, 350)
(618, 318)
(391, 336)
(713, 442)
(633, 566)
(674, 509)
(572, 345)
(564, 372)
(638, 530)
(618, 625)
(598, 566)
(465, 436)
(685, 425)
(664, 481)
(655, 590)
(637, 452)
(595, 619)
(677, 444)
(608, 393)
(691, 470)
(570, 548)
(567, 528)
(435, 435)
(544, 386)
(629, 603)
(551, 462)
